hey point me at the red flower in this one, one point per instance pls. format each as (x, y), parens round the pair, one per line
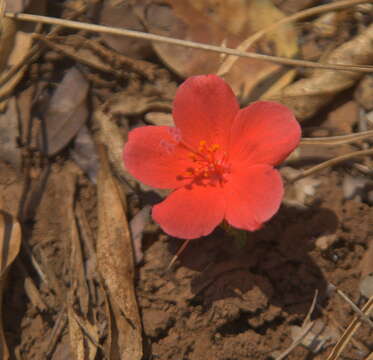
(218, 159)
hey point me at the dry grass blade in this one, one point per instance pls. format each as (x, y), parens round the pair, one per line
(331, 162)
(351, 329)
(359, 313)
(56, 333)
(115, 258)
(307, 326)
(229, 61)
(10, 243)
(296, 342)
(370, 356)
(185, 43)
(337, 140)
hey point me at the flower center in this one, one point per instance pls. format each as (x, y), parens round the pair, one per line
(209, 163)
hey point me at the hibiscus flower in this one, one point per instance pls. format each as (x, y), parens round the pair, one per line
(218, 160)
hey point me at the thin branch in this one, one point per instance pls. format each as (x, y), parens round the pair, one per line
(349, 332)
(359, 313)
(337, 140)
(330, 163)
(185, 43)
(229, 61)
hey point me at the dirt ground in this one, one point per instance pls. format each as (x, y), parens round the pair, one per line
(222, 300)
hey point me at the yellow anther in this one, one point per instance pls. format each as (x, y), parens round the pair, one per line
(192, 156)
(202, 143)
(214, 147)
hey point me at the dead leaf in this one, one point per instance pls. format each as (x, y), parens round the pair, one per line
(363, 92)
(76, 337)
(17, 5)
(15, 42)
(220, 22)
(115, 259)
(137, 225)
(109, 133)
(10, 243)
(78, 281)
(11, 185)
(159, 119)
(122, 14)
(307, 96)
(9, 133)
(82, 335)
(84, 153)
(67, 112)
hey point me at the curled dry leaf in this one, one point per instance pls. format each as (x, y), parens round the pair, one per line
(115, 258)
(67, 112)
(226, 22)
(10, 243)
(307, 96)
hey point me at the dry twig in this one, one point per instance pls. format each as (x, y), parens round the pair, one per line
(185, 43)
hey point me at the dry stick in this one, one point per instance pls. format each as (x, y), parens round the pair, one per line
(88, 334)
(362, 316)
(329, 163)
(229, 61)
(56, 332)
(33, 53)
(348, 333)
(337, 140)
(179, 42)
(306, 330)
(182, 248)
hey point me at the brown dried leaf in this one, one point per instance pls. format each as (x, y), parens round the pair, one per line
(220, 22)
(67, 112)
(15, 42)
(21, 44)
(307, 96)
(137, 226)
(9, 133)
(84, 153)
(122, 14)
(76, 336)
(83, 343)
(8, 32)
(115, 259)
(78, 280)
(109, 134)
(10, 243)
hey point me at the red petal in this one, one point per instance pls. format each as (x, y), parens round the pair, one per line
(253, 196)
(190, 213)
(204, 109)
(153, 155)
(265, 132)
